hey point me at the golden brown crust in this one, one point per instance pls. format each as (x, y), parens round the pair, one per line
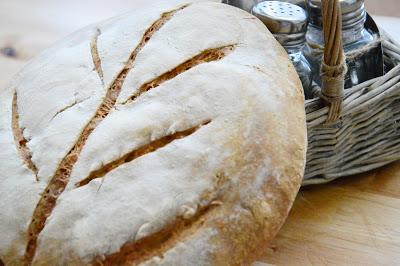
(243, 240)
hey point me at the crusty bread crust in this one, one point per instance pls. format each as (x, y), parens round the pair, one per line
(173, 136)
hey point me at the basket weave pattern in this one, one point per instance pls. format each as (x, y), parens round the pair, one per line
(366, 136)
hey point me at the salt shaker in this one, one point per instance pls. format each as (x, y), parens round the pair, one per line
(360, 45)
(288, 23)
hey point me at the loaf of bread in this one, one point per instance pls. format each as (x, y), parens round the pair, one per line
(167, 136)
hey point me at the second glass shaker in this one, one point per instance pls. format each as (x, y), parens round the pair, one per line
(360, 45)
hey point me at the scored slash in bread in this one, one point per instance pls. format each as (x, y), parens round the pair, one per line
(167, 136)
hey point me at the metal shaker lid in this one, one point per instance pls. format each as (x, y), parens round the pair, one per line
(281, 17)
(353, 13)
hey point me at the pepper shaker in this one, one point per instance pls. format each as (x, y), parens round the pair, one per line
(361, 46)
(288, 23)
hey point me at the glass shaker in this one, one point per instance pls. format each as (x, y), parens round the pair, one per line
(360, 45)
(288, 23)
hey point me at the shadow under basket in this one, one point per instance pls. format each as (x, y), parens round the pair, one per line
(366, 136)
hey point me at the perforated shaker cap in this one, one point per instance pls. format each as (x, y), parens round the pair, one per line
(288, 22)
(281, 17)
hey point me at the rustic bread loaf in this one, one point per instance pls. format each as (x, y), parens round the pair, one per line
(165, 136)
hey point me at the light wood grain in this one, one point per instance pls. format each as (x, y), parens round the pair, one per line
(353, 221)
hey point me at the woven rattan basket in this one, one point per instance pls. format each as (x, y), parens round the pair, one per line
(360, 130)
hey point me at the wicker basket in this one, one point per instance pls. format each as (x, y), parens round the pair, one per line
(365, 133)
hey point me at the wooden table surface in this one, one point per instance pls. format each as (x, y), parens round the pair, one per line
(353, 221)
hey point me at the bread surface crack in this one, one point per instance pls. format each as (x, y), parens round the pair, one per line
(156, 244)
(206, 56)
(20, 141)
(61, 177)
(95, 55)
(143, 150)
(69, 106)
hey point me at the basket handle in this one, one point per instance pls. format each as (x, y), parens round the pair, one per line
(333, 69)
